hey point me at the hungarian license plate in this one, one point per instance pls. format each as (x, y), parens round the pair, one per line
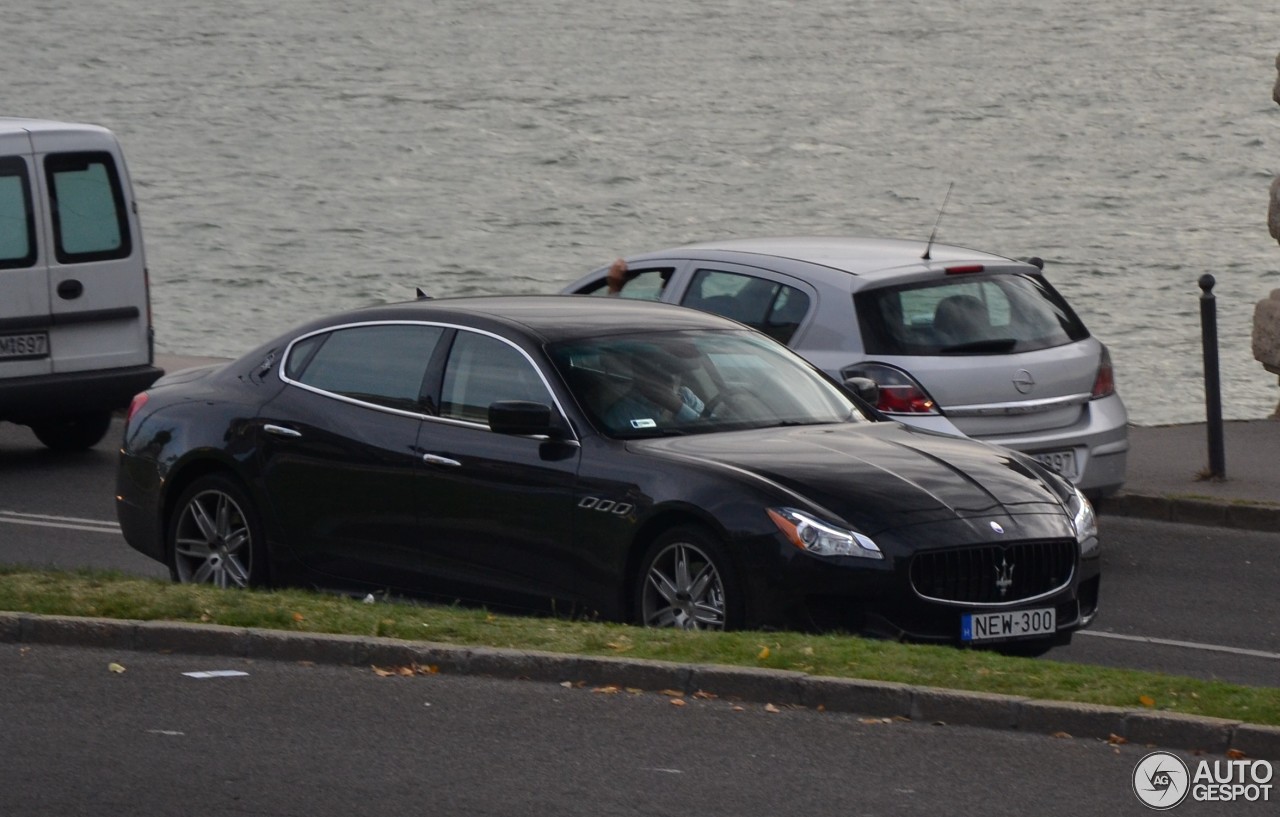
(1064, 462)
(31, 344)
(1016, 624)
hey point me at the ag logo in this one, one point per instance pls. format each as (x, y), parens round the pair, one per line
(1161, 781)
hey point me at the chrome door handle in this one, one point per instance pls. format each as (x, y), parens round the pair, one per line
(432, 459)
(281, 431)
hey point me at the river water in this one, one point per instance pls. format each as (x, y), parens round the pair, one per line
(296, 157)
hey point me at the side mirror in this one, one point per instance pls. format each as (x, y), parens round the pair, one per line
(521, 418)
(865, 388)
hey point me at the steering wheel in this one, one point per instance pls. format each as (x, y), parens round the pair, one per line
(720, 399)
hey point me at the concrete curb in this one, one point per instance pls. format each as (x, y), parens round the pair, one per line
(1188, 511)
(885, 700)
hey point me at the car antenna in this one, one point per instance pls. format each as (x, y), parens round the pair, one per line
(422, 296)
(928, 248)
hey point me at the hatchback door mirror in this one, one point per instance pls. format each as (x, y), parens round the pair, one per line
(521, 418)
(865, 388)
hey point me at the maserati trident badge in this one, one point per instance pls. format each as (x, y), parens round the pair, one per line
(1004, 576)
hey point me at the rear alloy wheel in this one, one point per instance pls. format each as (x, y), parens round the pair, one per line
(684, 583)
(75, 433)
(215, 538)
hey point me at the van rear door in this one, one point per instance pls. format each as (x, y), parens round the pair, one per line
(97, 284)
(24, 281)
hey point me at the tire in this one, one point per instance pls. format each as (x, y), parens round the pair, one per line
(686, 581)
(75, 433)
(214, 536)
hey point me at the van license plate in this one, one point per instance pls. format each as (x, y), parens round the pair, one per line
(1064, 462)
(1020, 623)
(32, 344)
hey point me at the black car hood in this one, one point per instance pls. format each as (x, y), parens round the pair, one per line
(879, 476)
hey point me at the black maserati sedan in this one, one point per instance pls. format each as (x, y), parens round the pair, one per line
(617, 458)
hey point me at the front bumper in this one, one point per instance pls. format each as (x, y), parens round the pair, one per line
(878, 599)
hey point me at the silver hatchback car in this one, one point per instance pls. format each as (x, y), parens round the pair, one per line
(958, 341)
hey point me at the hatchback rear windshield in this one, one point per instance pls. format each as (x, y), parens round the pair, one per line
(979, 314)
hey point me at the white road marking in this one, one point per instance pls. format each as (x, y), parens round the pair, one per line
(1187, 645)
(65, 522)
(216, 673)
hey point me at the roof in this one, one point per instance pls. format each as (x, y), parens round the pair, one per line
(549, 318)
(18, 123)
(857, 256)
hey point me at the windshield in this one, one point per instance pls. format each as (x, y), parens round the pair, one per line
(660, 383)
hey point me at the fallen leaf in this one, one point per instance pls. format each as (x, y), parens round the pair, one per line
(706, 696)
(635, 690)
(737, 708)
(672, 693)
(1147, 701)
(1062, 734)
(677, 701)
(1116, 740)
(611, 689)
(873, 721)
(567, 684)
(114, 667)
(297, 617)
(1236, 754)
(771, 708)
(617, 645)
(382, 673)
(763, 654)
(429, 669)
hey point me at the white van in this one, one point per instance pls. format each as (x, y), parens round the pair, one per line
(76, 340)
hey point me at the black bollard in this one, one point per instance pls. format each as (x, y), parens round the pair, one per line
(1212, 388)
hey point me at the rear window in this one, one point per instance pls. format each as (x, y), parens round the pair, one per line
(89, 218)
(974, 315)
(17, 224)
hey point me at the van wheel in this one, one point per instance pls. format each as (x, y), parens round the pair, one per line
(74, 433)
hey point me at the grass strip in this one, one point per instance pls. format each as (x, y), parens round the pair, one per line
(113, 595)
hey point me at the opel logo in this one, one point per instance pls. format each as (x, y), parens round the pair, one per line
(1023, 381)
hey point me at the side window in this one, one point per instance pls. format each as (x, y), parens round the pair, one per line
(644, 284)
(483, 370)
(17, 222)
(383, 364)
(89, 218)
(773, 308)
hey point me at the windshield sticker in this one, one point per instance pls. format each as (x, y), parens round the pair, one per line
(646, 423)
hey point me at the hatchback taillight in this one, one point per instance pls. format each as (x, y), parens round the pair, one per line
(899, 391)
(1104, 383)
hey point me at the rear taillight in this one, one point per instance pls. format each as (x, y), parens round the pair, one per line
(1104, 383)
(899, 391)
(139, 400)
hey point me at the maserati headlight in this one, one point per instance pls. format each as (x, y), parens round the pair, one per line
(821, 538)
(1084, 521)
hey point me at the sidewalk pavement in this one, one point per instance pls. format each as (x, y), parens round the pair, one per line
(1163, 482)
(1165, 479)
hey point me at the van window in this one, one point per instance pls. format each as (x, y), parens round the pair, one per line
(17, 222)
(89, 218)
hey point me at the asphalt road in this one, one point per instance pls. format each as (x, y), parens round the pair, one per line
(1181, 599)
(295, 739)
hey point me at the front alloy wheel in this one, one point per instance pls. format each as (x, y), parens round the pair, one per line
(684, 585)
(215, 539)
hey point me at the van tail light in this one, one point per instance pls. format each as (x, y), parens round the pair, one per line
(135, 405)
(1104, 383)
(899, 391)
